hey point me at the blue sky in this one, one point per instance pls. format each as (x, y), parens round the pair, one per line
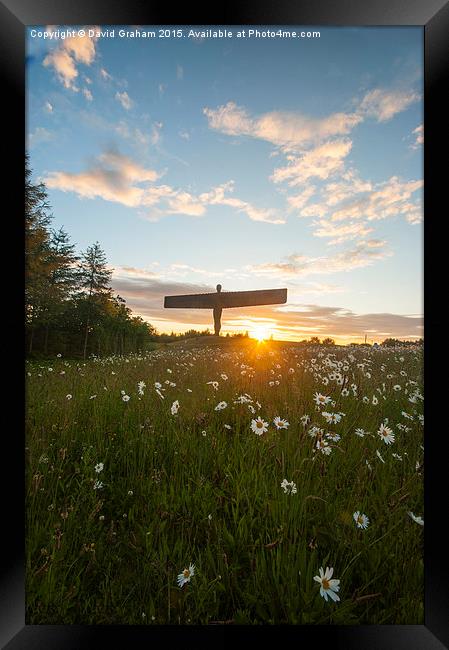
(256, 163)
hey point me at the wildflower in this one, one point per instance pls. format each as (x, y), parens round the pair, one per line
(333, 436)
(186, 575)
(305, 419)
(125, 398)
(360, 432)
(174, 407)
(92, 397)
(259, 426)
(397, 388)
(280, 423)
(374, 400)
(328, 587)
(320, 400)
(98, 485)
(417, 520)
(361, 520)
(323, 446)
(214, 384)
(224, 376)
(386, 434)
(289, 487)
(220, 406)
(68, 397)
(99, 467)
(140, 386)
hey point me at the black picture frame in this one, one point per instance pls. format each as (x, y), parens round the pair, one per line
(433, 17)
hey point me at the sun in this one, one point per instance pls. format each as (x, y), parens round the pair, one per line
(260, 334)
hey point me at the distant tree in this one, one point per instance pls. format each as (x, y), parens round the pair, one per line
(314, 340)
(94, 277)
(328, 341)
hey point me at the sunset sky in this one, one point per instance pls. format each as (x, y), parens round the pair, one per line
(254, 163)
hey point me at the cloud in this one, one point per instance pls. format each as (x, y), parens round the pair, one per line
(87, 94)
(340, 233)
(387, 199)
(217, 196)
(284, 129)
(48, 107)
(115, 177)
(419, 137)
(298, 201)
(179, 72)
(124, 99)
(321, 162)
(383, 104)
(38, 136)
(365, 253)
(64, 58)
(105, 74)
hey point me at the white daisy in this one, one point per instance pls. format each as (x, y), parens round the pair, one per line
(361, 520)
(280, 423)
(186, 575)
(259, 426)
(328, 586)
(386, 434)
(417, 520)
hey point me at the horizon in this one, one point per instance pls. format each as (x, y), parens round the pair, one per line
(253, 163)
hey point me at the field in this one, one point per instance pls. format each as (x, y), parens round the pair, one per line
(200, 484)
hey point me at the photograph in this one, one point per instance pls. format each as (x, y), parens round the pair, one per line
(224, 325)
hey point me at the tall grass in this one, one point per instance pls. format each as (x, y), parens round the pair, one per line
(182, 488)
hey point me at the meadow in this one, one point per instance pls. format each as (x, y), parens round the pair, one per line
(200, 484)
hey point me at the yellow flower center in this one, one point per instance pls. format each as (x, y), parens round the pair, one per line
(186, 573)
(360, 519)
(259, 424)
(325, 583)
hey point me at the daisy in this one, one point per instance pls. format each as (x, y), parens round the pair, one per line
(328, 587)
(361, 520)
(259, 426)
(68, 397)
(417, 520)
(360, 432)
(125, 398)
(99, 467)
(305, 419)
(140, 386)
(323, 446)
(280, 423)
(289, 487)
(174, 407)
(220, 406)
(320, 400)
(386, 434)
(186, 575)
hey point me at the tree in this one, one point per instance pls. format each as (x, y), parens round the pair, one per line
(314, 340)
(94, 277)
(328, 341)
(37, 250)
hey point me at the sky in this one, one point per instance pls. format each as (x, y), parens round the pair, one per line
(253, 162)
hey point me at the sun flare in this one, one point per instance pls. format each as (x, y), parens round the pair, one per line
(260, 334)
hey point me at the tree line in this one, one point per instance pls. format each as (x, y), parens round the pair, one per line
(70, 307)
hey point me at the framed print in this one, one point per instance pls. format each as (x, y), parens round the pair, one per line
(225, 275)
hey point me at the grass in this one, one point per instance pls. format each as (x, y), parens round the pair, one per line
(182, 488)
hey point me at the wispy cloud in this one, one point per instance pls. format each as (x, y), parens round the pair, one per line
(321, 162)
(68, 53)
(38, 136)
(382, 104)
(124, 99)
(363, 254)
(115, 177)
(418, 133)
